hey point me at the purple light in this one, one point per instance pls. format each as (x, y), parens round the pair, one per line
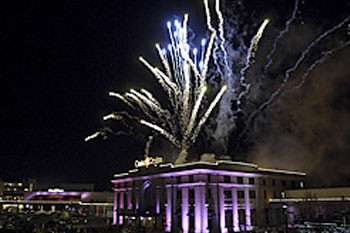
(51, 193)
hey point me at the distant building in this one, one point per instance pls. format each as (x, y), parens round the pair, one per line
(15, 190)
(98, 204)
(224, 196)
(315, 206)
(78, 187)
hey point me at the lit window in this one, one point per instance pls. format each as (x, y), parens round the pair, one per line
(283, 195)
(301, 184)
(20, 184)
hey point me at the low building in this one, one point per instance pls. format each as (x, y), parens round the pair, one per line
(315, 207)
(222, 196)
(98, 204)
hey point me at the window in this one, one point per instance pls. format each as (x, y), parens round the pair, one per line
(252, 194)
(301, 184)
(178, 179)
(209, 194)
(265, 195)
(267, 219)
(264, 182)
(209, 178)
(274, 194)
(251, 180)
(240, 194)
(227, 179)
(293, 183)
(240, 180)
(283, 183)
(227, 194)
(190, 179)
(273, 182)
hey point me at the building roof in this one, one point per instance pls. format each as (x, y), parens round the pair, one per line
(223, 167)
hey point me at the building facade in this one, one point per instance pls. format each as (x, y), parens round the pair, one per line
(315, 207)
(15, 190)
(224, 196)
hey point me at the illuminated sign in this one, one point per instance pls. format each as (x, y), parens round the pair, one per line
(149, 161)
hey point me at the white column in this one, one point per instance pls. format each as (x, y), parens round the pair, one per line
(204, 210)
(157, 201)
(121, 206)
(168, 210)
(235, 210)
(129, 199)
(115, 207)
(184, 213)
(222, 210)
(247, 209)
(137, 196)
(197, 209)
(200, 212)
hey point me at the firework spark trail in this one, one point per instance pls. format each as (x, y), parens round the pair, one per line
(112, 116)
(252, 50)
(322, 59)
(154, 100)
(207, 113)
(277, 39)
(95, 135)
(161, 131)
(122, 98)
(164, 61)
(142, 106)
(153, 106)
(211, 40)
(194, 115)
(222, 36)
(249, 61)
(296, 65)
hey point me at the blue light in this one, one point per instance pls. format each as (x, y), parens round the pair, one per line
(169, 47)
(164, 51)
(203, 42)
(169, 24)
(195, 51)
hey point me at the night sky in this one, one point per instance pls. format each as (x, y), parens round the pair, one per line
(60, 59)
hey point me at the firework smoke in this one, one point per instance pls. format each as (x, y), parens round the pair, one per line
(222, 58)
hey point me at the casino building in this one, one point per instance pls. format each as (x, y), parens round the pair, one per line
(221, 196)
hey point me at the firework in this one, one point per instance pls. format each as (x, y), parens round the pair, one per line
(184, 78)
